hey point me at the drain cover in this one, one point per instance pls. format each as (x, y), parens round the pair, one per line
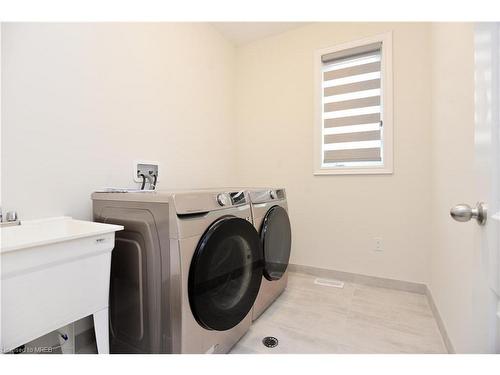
(270, 341)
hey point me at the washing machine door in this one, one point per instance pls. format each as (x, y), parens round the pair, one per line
(225, 274)
(276, 237)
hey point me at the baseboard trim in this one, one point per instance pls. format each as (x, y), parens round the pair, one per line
(407, 286)
(381, 282)
(440, 322)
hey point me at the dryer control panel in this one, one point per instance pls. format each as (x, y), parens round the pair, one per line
(267, 195)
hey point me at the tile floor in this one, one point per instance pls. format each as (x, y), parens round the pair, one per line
(310, 318)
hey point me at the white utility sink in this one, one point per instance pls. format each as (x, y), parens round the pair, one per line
(54, 272)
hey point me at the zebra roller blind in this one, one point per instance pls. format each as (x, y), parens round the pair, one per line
(352, 131)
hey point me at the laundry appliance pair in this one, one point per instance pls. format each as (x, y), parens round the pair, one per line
(192, 269)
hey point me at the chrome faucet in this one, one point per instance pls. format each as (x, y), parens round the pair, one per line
(10, 218)
(151, 177)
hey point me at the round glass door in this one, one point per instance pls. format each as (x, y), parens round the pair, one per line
(225, 274)
(276, 237)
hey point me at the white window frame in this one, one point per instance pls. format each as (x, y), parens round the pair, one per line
(386, 109)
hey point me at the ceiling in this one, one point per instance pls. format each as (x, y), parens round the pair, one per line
(240, 33)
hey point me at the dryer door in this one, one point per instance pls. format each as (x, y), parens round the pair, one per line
(225, 274)
(276, 237)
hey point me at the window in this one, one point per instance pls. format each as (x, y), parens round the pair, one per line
(353, 131)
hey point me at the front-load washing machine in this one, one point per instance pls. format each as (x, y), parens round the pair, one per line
(185, 272)
(270, 217)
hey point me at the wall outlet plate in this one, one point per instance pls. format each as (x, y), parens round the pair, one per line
(146, 166)
(378, 244)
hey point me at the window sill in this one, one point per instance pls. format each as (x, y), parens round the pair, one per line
(352, 171)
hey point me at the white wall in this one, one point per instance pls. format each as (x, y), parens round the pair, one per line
(457, 280)
(82, 101)
(336, 218)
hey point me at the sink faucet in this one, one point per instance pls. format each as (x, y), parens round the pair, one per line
(151, 177)
(10, 218)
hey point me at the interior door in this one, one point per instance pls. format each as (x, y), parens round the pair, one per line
(483, 183)
(487, 142)
(487, 145)
(486, 186)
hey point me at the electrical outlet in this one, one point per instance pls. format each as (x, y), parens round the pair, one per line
(378, 244)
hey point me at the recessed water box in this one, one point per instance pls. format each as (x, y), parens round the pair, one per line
(147, 168)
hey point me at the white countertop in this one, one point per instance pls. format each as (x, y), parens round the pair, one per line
(52, 230)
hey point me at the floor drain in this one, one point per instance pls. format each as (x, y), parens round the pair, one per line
(270, 341)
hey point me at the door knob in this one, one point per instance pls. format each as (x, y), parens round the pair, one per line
(463, 212)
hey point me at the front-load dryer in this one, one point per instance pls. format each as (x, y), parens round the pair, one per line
(270, 217)
(185, 271)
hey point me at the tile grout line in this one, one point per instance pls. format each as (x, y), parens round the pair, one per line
(351, 300)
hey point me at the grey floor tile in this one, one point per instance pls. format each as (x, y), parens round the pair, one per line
(311, 318)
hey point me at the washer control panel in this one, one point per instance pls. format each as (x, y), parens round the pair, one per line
(238, 197)
(203, 201)
(223, 199)
(235, 198)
